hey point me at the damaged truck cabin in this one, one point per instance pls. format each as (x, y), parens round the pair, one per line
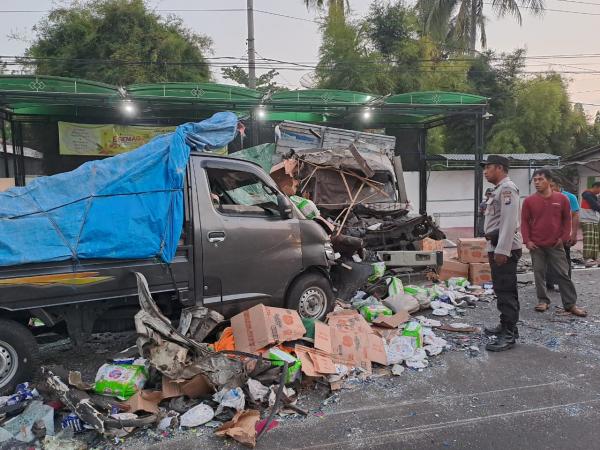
(202, 229)
(357, 183)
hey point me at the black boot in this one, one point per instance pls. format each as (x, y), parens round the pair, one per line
(505, 341)
(495, 331)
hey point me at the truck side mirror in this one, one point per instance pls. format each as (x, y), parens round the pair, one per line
(284, 206)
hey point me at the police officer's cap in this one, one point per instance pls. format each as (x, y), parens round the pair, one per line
(496, 159)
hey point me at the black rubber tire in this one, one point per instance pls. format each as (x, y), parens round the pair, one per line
(26, 347)
(305, 282)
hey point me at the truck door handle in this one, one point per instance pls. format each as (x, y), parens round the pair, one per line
(216, 236)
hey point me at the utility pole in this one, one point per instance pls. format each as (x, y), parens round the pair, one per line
(251, 61)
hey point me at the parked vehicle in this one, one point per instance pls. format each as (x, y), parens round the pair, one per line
(242, 243)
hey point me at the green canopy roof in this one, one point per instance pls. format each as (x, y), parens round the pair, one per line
(60, 98)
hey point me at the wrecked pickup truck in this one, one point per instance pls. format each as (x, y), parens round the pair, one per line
(240, 242)
(357, 183)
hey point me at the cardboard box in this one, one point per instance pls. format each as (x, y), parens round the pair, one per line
(6, 184)
(262, 325)
(377, 349)
(480, 273)
(452, 268)
(315, 362)
(431, 245)
(350, 339)
(472, 250)
(392, 321)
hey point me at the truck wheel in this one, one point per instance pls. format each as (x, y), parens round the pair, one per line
(19, 355)
(311, 296)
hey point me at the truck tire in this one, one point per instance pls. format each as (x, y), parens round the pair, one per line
(19, 355)
(311, 296)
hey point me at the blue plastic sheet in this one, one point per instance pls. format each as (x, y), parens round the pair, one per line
(128, 206)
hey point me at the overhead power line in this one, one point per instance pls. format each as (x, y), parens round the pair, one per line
(272, 13)
(444, 66)
(564, 11)
(180, 10)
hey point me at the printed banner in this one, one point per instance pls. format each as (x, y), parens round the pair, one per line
(104, 140)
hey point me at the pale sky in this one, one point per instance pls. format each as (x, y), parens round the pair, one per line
(556, 33)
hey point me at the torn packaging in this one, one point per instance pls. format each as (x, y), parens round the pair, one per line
(144, 401)
(376, 349)
(75, 380)
(198, 322)
(315, 363)
(392, 321)
(242, 427)
(283, 175)
(150, 320)
(77, 401)
(169, 359)
(175, 355)
(199, 386)
(262, 325)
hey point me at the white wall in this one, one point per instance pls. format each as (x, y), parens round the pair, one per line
(450, 194)
(584, 173)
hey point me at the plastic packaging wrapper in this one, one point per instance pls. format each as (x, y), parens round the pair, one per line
(457, 282)
(19, 427)
(22, 393)
(306, 206)
(257, 390)
(278, 357)
(415, 331)
(372, 312)
(196, 416)
(395, 286)
(378, 271)
(399, 349)
(230, 398)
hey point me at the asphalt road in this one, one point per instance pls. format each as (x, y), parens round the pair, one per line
(543, 394)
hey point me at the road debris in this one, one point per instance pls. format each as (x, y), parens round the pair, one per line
(257, 369)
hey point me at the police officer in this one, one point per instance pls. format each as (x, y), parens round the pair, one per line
(501, 229)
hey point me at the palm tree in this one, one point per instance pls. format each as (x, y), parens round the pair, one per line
(459, 21)
(343, 6)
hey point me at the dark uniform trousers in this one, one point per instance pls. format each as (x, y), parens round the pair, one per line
(504, 278)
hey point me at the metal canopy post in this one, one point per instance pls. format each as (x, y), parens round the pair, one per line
(421, 144)
(4, 147)
(478, 194)
(17, 154)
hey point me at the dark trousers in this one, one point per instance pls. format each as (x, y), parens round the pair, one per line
(504, 278)
(551, 277)
(542, 257)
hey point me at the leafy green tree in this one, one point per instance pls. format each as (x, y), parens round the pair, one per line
(118, 42)
(497, 77)
(264, 83)
(461, 22)
(543, 120)
(393, 32)
(385, 53)
(346, 61)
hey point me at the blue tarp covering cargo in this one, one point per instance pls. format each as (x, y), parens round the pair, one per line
(129, 206)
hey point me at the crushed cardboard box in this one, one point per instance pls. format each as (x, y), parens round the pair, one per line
(480, 273)
(452, 268)
(431, 245)
(262, 325)
(472, 250)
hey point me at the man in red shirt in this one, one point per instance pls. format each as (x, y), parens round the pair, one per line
(546, 226)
